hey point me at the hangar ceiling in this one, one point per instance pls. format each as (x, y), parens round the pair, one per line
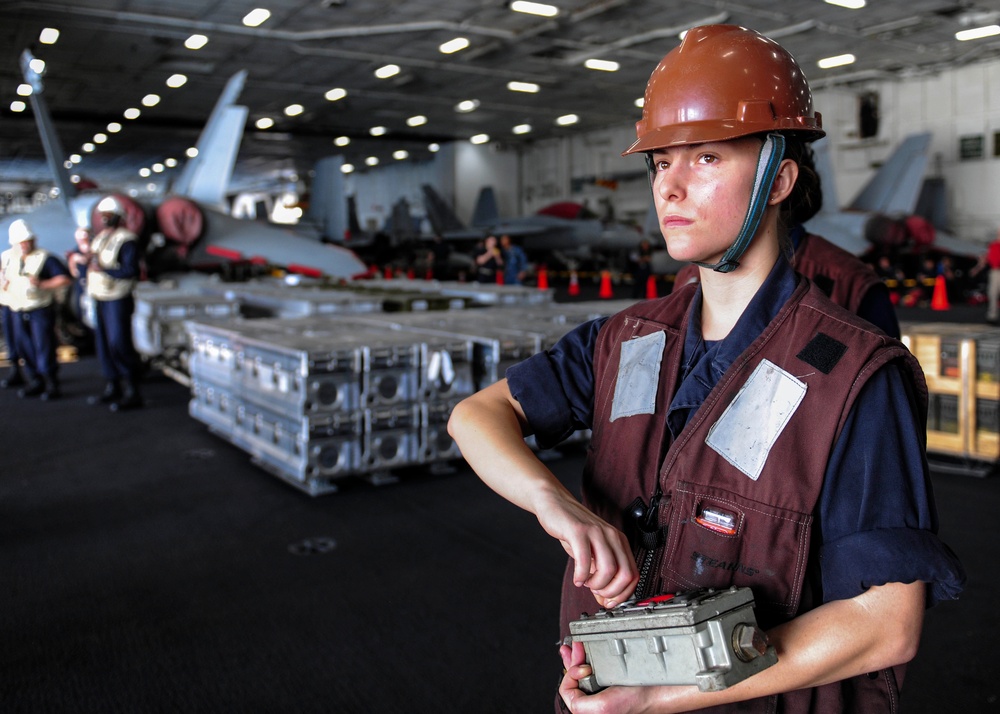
(110, 54)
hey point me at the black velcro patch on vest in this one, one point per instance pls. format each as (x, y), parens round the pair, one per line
(824, 283)
(823, 352)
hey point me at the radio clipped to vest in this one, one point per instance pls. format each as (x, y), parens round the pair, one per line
(706, 637)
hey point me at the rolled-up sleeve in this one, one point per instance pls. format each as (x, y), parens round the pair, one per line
(555, 388)
(876, 521)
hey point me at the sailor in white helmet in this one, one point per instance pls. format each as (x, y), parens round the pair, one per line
(111, 277)
(32, 278)
(14, 378)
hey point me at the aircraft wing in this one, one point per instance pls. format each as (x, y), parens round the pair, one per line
(895, 187)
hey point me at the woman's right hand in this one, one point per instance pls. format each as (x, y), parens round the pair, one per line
(602, 557)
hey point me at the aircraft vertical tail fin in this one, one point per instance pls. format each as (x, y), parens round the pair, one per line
(327, 205)
(206, 177)
(895, 187)
(486, 212)
(54, 154)
(827, 182)
(442, 218)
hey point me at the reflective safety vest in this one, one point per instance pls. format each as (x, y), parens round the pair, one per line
(22, 295)
(5, 259)
(106, 246)
(753, 455)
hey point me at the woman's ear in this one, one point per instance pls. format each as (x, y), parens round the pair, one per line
(788, 174)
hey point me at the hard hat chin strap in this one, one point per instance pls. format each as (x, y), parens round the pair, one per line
(771, 154)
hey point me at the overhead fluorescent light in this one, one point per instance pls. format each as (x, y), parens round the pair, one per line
(534, 8)
(37, 65)
(838, 61)
(480, 138)
(131, 113)
(389, 70)
(158, 168)
(418, 120)
(434, 147)
(18, 106)
(372, 161)
(377, 130)
(171, 163)
(145, 172)
(453, 46)
(529, 87)
(400, 154)
(88, 147)
(335, 94)
(75, 158)
(256, 17)
(264, 123)
(196, 42)
(602, 65)
(849, 4)
(567, 119)
(24, 90)
(342, 140)
(100, 138)
(114, 127)
(48, 36)
(176, 80)
(467, 105)
(977, 33)
(640, 102)
(191, 152)
(293, 110)
(522, 129)
(347, 168)
(151, 100)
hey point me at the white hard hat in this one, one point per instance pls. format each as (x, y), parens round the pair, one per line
(109, 204)
(20, 231)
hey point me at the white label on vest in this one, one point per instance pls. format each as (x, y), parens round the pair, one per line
(751, 424)
(638, 375)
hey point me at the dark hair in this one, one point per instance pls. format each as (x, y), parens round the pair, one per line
(806, 198)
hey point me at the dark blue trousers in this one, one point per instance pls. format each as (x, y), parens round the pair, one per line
(113, 337)
(35, 335)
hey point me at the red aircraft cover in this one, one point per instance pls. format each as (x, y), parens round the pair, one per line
(181, 222)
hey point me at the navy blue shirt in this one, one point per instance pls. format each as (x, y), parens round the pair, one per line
(875, 522)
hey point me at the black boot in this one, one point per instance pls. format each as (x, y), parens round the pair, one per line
(13, 379)
(34, 388)
(51, 390)
(130, 398)
(112, 392)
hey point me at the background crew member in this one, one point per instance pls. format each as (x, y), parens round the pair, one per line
(682, 394)
(14, 378)
(77, 260)
(111, 276)
(489, 261)
(514, 260)
(36, 277)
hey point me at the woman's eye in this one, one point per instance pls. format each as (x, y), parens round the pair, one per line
(708, 159)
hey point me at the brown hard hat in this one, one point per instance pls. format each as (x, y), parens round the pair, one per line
(724, 82)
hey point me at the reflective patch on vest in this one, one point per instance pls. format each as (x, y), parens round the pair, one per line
(747, 430)
(638, 375)
(823, 352)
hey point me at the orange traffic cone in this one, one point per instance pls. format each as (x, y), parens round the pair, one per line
(651, 287)
(574, 284)
(388, 272)
(543, 278)
(939, 301)
(499, 277)
(409, 273)
(605, 291)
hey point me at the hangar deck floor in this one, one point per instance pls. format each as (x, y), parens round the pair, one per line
(148, 566)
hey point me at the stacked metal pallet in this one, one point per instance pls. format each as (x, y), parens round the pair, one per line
(315, 400)
(160, 313)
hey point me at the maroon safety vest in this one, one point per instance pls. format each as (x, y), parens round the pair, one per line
(833, 353)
